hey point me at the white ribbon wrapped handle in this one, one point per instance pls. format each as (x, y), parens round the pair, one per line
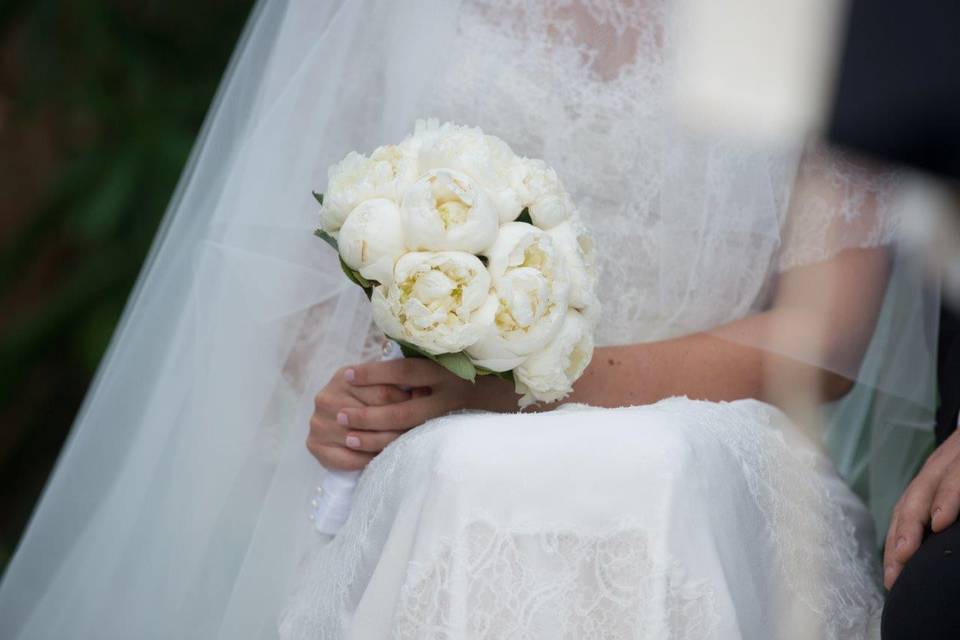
(335, 494)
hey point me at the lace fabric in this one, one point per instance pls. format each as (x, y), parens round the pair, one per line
(706, 227)
(736, 507)
(562, 584)
(598, 73)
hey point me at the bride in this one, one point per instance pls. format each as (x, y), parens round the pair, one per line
(668, 497)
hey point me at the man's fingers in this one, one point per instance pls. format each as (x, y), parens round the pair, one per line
(891, 538)
(890, 574)
(892, 567)
(909, 537)
(946, 500)
(914, 514)
(406, 372)
(402, 416)
(370, 441)
(379, 394)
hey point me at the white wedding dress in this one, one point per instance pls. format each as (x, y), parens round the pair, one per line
(178, 508)
(679, 520)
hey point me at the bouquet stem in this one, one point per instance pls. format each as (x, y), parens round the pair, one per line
(331, 507)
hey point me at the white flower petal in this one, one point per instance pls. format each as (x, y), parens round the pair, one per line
(446, 211)
(371, 239)
(575, 245)
(433, 301)
(548, 375)
(385, 174)
(540, 191)
(531, 287)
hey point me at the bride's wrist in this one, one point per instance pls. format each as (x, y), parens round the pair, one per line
(490, 393)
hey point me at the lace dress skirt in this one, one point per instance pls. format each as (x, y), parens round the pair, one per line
(678, 520)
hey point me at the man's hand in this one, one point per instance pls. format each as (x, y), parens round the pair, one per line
(932, 498)
(365, 407)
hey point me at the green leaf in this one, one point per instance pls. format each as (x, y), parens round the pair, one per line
(318, 197)
(410, 351)
(355, 277)
(329, 239)
(503, 375)
(525, 216)
(458, 364)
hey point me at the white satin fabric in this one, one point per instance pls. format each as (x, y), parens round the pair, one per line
(681, 520)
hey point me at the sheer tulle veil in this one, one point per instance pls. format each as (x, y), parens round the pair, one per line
(178, 508)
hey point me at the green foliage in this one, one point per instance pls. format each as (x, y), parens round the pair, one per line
(329, 239)
(122, 87)
(525, 216)
(354, 276)
(503, 375)
(457, 363)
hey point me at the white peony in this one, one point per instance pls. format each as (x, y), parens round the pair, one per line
(446, 211)
(548, 375)
(488, 160)
(385, 174)
(540, 191)
(531, 289)
(575, 246)
(425, 132)
(371, 239)
(440, 302)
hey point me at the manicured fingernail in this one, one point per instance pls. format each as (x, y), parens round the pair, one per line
(350, 375)
(353, 442)
(900, 543)
(936, 511)
(342, 419)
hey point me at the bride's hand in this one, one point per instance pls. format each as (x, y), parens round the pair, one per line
(435, 392)
(364, 408)
(332, 442)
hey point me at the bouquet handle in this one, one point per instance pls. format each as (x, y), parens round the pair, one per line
(334, 499)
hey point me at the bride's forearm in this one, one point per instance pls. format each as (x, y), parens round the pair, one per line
(703, 366)
(824, 313)
(699, 366)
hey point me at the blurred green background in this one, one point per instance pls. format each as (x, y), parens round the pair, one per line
(100, 102)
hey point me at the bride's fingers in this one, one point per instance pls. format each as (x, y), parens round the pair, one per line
(338, 457)
(327, 402)
(370, 441)
(401, 416)
(407, 372)
(379, 394)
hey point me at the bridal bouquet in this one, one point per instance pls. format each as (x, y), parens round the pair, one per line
(471, 256)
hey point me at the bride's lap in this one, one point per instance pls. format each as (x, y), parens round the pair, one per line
(589, 466)
(576, 460)
(481, 520)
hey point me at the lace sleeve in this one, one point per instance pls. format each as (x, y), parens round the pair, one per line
(358, 337)
(839, 202)
(375, 344)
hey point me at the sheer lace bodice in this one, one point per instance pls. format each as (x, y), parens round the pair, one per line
(679, 520)
(584, 84)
